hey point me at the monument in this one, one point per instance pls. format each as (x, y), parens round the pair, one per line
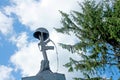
(45, 73)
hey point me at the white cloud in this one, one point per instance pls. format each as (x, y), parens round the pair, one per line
(5, 73)
(27, 59)
(43, 13)
(20, 40)
(5, 24)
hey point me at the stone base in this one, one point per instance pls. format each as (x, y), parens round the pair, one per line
(46, 75)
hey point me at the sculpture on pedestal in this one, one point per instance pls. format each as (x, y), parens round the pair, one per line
(43, 35)
(45, 73)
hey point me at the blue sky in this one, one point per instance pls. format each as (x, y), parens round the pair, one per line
(19, 54)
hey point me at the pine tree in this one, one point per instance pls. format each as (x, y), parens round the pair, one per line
(97, 27)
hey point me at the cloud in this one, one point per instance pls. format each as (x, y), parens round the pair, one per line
(5, 24)
(6, 73)
(20, 40)
(43, 13)
(27, 59)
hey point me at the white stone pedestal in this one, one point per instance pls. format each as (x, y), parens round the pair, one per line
(46, 75)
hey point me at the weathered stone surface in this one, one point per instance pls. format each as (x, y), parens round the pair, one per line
(46, 75)
(44, 66)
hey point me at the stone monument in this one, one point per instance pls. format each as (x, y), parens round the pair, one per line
(45, 73)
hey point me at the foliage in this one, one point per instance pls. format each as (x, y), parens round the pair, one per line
(97, 27)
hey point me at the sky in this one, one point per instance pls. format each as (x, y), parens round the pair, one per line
(19, 53)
